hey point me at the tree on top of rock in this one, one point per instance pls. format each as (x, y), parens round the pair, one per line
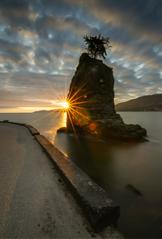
(97, 45)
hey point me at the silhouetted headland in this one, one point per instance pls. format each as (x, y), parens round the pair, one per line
(143, 103)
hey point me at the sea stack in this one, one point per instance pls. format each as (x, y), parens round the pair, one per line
(92, 109)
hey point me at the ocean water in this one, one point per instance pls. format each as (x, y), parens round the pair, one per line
(130, 173)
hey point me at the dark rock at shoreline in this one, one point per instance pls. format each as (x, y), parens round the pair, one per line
(92, 111)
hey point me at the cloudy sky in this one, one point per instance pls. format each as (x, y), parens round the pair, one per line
(41, 40)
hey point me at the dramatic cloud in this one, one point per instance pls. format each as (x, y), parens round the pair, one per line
(40, 42)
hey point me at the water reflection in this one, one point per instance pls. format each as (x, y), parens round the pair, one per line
(60, 121)
(87, 155)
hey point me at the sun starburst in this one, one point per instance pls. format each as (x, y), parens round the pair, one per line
(65, 105)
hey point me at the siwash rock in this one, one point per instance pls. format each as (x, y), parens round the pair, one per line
(92, 110)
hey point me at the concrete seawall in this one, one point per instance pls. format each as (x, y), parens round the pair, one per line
(98, 208)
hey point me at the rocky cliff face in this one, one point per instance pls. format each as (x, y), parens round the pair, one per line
(91, 97)
(92, 88)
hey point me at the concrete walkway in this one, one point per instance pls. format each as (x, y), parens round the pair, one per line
(34, 202)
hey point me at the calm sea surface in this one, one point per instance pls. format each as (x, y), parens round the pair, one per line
(114, 167)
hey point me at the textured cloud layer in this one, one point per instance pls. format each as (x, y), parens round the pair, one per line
(40, 42)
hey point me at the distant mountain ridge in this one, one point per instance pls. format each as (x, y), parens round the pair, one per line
(143, 103)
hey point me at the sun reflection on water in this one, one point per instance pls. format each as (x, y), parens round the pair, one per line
(63, 119)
